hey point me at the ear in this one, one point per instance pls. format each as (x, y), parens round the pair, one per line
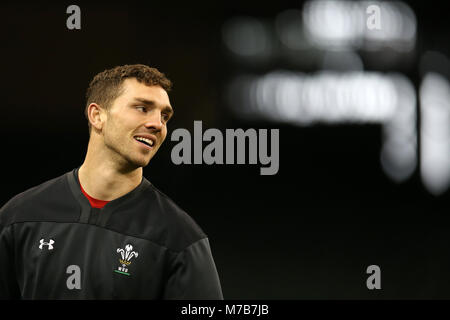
(96, 115)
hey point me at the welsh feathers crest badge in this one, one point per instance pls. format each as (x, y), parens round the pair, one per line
(126, 256)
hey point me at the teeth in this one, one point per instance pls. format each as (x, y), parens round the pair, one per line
(150, 142)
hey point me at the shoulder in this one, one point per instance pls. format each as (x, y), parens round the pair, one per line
(165, 223)
(181, 228)
(36, 203)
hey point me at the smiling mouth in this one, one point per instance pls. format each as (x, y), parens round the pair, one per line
(145, 141)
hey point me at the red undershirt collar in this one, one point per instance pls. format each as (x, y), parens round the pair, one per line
(95, 203)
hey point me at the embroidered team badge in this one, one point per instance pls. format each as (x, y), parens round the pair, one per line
(126, 255)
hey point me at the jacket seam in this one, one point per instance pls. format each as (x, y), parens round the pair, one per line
(109, 229)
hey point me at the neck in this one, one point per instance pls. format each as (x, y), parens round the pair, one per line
(104, 178)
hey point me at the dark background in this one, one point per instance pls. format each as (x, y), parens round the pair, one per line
(308, 232)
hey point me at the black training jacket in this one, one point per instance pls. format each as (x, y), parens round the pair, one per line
(54, 245)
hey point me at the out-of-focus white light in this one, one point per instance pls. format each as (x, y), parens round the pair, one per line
(246, 37)
(435, 132)
(399, 149)
(339, 25)
(286, 97)
(333, 24)
(324, 97)
(398, 27)
(329, 97)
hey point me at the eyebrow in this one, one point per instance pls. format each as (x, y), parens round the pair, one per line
(152, 103)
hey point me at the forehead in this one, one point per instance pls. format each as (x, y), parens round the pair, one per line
(134, 89)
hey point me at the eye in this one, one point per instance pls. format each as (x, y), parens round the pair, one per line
(166, 116)
(141, 108)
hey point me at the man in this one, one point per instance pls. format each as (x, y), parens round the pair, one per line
(102, 231)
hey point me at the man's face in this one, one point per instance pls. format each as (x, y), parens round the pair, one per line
(136, 123)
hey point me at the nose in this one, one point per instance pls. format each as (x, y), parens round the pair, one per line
(154, 121)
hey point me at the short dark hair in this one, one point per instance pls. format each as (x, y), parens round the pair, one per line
(106, 86)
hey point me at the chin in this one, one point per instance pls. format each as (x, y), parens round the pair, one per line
(143, 162)
(137, 163)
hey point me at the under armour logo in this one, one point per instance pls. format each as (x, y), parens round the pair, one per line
(48, 244)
